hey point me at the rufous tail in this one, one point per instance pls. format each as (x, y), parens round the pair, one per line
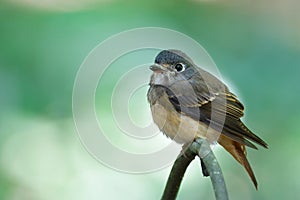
(238, 151)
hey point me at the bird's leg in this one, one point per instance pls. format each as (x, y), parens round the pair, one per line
(204, 170)
(184, 148)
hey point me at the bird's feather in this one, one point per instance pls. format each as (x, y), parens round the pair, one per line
(202, 97)
(212, 103)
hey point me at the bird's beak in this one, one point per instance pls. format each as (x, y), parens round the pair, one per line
(157, 68)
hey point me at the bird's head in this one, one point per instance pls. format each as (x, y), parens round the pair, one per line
(170, 67)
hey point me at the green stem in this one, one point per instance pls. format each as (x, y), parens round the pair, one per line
(201, 148)
(176, 174)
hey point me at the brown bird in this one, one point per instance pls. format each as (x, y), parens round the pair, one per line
(188, 102)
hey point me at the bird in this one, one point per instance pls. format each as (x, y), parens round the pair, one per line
(188, 102)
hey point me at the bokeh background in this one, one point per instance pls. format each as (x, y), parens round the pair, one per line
(255, 44)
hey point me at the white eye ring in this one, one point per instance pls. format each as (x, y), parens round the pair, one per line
(179, 67)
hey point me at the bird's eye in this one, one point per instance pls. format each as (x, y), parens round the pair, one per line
(179, 67)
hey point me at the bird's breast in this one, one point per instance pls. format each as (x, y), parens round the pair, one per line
(179, 127)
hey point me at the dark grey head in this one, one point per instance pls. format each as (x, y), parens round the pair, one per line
(172, 56)
(171, 66)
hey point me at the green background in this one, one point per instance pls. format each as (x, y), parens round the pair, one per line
(256, 46)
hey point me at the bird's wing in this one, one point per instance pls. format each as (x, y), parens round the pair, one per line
(214, 105)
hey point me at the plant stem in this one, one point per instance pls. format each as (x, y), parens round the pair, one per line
(201, 148)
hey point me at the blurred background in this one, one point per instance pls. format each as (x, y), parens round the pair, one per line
(255, 44)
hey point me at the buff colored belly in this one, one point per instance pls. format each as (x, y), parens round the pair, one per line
(180, 128)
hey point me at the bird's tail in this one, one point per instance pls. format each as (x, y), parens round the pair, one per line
(238, 151)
